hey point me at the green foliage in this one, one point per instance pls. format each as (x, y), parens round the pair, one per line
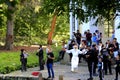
(57, 6)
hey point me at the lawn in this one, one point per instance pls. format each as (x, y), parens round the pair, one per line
(10, 60)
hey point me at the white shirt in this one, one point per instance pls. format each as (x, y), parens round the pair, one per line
(75, 52)
(25, 55)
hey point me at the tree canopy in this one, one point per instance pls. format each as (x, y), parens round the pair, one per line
(34, 17)
(84, 8)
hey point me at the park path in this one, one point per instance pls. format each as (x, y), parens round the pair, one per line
(82, 72)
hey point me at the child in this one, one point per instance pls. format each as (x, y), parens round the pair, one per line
(23, 59)
(117, 69)
(100, 68)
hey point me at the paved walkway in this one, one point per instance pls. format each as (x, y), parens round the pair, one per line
(82, 73)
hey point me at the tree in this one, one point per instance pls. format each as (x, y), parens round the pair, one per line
(56, 7)
(10, 23)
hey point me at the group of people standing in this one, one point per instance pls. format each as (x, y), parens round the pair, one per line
(98, 55)
(40, 54)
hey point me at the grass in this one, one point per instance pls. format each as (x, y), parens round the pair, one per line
(10, 61)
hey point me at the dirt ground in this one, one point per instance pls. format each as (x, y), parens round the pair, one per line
(18, 48)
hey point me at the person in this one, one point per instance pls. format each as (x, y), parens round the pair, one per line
(23, 59)
(41, 57)
(49, 63)
(95, 60)
(88, 38)
(106, 60)
(82, 47)
(117, 68)
(71, 47)
(113, 35)
(101, 36)
(100, 68)
(89, 59)
(84, 36)
(98, 36)
(47, 48)
(62, 51)
(116, 47)
(78, 37)
(94, 39)
(100, 47)
(75, 60)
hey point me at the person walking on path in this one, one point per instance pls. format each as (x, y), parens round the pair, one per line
(117, 68)
(90, 60)
(75, 59)
(40, 53)
(49, 63)
(23, 59)
(100, 68)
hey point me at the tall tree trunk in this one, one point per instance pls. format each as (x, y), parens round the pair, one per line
(52, 29)
(9, 34)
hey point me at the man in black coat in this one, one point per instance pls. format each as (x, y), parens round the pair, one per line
(90, 59)
(41, 57)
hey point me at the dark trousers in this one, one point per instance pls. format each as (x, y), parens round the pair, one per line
(24, 64)
(107, 65)
(95, 66)
(117, 69)
(41, 63)
(101, 74)
(50, 70)
(61, 55)
(81, 56)
(70, 54)
(90, 68)
(78, 41)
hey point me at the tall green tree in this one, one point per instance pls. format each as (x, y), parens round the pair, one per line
(9, 13)
(56, 7)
